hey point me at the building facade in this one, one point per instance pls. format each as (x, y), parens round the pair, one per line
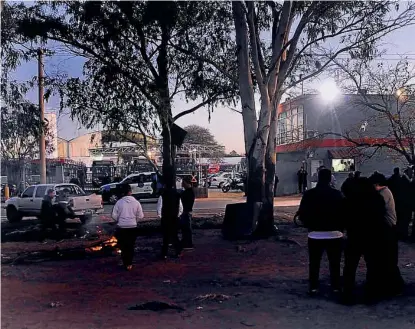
(310, 134)
(77, 149)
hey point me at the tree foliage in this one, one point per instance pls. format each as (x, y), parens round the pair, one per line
(20, 119)
(387, 97)
(203, 138)
(281, 44)
(200, 135)
(20, 131)
(136, 61)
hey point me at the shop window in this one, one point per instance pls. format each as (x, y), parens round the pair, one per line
(343, 165)
(290, 128)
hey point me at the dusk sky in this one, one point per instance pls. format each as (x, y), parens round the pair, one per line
(225, 124)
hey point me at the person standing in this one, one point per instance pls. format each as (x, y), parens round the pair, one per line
(81, 178)
(302, 180)
(48, 215)
(276, 185)
(187, 199)
(387, 248)
(127, 212)
(347, 185)
(365, 210)
(412, 200)
(321, 210)
(400, 187)
(170, 200)
(63, 211)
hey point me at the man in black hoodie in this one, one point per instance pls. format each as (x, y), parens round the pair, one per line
(321, 210)
(170, 218)
(400, 187)
(365, 213)
(188, 199)
(48, 215)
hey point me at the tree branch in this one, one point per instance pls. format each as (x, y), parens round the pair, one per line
(212, 99)
(254, 46)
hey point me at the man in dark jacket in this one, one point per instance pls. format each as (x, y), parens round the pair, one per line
(400, 187)
(62, 211)
(387, 248)
(170, 219)
(321, 211)
(365, 211)
(347, 185)
(188, 200)
(48, 214)
(277, 180)
(302, 180)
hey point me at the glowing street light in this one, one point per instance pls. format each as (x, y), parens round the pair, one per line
(329, 90)
(400, 94)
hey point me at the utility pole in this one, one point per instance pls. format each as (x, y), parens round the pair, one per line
(42, 144)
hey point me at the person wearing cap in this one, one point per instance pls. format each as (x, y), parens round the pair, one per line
(127, 212)
(321, 210)
(187, 198)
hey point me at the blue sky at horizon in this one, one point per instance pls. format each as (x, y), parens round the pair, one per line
(226, 125)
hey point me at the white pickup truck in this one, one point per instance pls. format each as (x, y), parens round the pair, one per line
(29, 203)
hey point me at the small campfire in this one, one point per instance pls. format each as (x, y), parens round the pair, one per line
(109, 244)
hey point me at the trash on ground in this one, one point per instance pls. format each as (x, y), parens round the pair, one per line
(214, 297)
(155, 306)
(247, 323)
(199, 308)
(240, 249)
(55, 304)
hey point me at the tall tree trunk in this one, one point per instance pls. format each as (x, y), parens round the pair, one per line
(168, 169)
(270, 171)
(165, 112)
(246, 92)
(256, 187)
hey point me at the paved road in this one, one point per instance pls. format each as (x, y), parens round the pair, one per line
(216, 204)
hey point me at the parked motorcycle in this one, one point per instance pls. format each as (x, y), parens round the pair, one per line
(233, 184)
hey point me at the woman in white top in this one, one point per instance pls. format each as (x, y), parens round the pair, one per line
(127, 212)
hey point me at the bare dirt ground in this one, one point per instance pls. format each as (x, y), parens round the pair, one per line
(259, 284)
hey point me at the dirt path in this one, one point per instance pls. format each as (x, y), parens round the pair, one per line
(264, 283)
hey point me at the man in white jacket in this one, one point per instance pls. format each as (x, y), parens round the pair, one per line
(127, 212)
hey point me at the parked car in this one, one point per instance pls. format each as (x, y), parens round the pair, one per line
(29, 203)
(142, 185)
(219, 180)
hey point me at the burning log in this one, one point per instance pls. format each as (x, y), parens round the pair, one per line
(109, 244)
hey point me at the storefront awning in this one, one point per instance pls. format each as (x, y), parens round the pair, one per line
(344, 153)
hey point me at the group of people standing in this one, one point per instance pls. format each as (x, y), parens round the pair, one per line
(173, 207)
(364, 211)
